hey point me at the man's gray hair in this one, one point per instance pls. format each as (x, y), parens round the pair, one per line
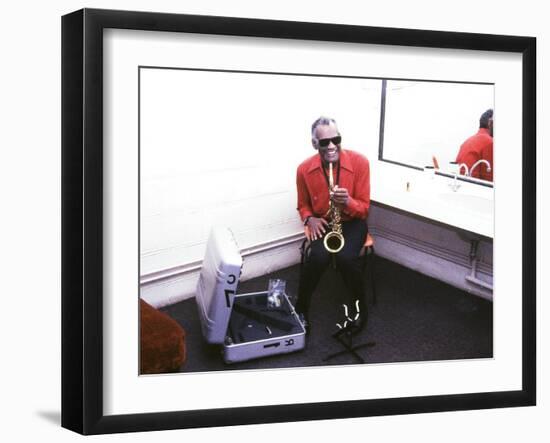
(321, 121)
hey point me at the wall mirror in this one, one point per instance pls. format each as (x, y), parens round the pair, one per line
(426, 122)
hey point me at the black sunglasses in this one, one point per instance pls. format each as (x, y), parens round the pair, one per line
(324, 142)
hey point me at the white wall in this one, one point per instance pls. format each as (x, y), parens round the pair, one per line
(30, 234)
(222, 148)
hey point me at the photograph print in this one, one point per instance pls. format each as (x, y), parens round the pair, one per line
(289, 220)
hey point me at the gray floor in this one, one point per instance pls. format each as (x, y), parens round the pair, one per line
(416, 318)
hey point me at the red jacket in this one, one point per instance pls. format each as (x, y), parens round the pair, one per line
(477, 147)
(313, 197)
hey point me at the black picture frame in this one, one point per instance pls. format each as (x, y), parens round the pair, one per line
(82, 218)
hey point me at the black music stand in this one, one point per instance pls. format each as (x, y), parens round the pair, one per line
(344, 336)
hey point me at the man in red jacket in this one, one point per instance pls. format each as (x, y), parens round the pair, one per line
(479, 147)
(351, 177)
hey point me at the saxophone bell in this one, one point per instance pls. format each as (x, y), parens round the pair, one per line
(333, 242)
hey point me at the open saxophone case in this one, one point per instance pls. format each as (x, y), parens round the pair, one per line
(248, 326)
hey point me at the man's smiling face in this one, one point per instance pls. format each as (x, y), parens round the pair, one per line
(327, 141)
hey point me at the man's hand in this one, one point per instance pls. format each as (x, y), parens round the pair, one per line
(340, 196)
(317, 227)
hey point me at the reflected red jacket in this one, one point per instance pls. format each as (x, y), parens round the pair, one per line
(477, 147)
(313, 194)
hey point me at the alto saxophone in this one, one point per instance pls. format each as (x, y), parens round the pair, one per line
(334, 240)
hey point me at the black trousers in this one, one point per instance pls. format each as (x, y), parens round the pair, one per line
(348, 262)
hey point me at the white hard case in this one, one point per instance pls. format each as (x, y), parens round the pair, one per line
(243, 323)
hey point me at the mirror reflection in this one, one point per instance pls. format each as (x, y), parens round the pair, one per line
(446, 125)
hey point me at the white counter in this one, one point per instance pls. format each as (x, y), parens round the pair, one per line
(470, 207)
